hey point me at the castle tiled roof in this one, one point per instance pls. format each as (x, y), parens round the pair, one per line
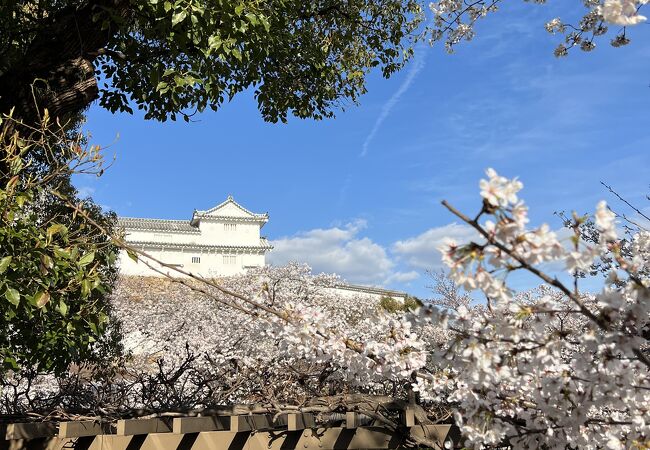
(371, 290)
(263, 246)
(165, 225)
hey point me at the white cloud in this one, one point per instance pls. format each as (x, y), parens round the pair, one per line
(403, 277)
(421, 252)
(358, 259)
(337, 250)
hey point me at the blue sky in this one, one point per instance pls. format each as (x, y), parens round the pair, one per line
(360, 194)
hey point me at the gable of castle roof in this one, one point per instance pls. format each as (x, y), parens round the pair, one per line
(229, 209)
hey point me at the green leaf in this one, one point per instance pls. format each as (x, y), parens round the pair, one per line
(180, 81)
(112, 257)
(42, 298)
(252, 18)
(63, 308)
(54, 229)
(239, 9)
(178, 17)
(132, 255)
(86, 259)
(62, 252)
(214, 42)
(12, 296)
(85, 287)
(11, 363)
(265, 23)
(13, 181)
(20, 200)
(4, 263)
(47, 261)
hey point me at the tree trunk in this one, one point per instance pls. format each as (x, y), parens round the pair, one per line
(57, 71)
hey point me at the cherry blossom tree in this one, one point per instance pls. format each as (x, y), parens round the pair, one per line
(163, 320)
(555, 367)
(454, 21)
(565, 370)
(190, 352)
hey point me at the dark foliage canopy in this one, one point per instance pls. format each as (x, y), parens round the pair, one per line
(175, 57)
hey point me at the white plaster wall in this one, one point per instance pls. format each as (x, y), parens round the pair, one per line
(348, 293)
(211, 263)
(215, 232)
(249, 260)
(163, 236)
(229, 209)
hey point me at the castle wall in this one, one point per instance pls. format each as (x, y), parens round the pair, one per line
(204, 263)
(224, 240)
(229, 232)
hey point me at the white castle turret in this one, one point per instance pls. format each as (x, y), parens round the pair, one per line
(224, 240)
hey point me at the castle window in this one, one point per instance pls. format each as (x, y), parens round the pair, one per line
(230, 226)
(196, 259)
(229, 259)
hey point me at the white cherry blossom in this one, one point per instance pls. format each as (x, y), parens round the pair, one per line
(622, 12)
(552, 369)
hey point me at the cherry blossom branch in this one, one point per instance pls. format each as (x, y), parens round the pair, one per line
(573, 295)
(634, 208)
(524, 264)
